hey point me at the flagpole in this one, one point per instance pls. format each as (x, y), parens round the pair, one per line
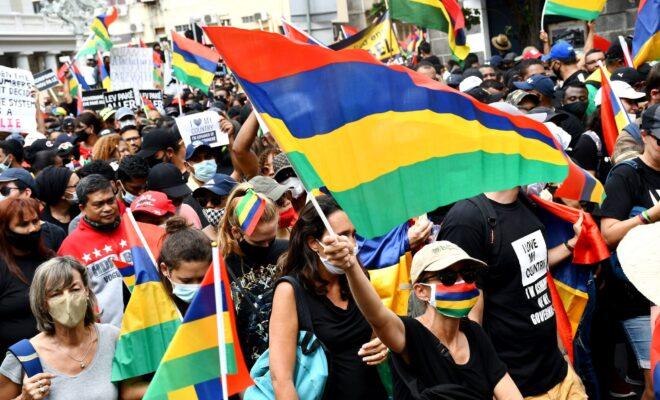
(220, 322)
(626, 51)
(178, 93)
(143, 241)
(543, 16)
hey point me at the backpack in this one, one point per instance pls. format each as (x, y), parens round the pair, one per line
(311, 370)
(28, 357)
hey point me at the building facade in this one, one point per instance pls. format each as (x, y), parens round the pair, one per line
(29, 40)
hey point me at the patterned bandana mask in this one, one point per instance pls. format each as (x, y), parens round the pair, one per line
(214, 215)
(454, 301)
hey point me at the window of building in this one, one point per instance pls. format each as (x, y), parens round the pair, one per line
(248, 19)
(36, 7)
(225, 22)
(182, 28)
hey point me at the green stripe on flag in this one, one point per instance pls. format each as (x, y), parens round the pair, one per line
(571, 12)
(189, 80)
(420, 13)
(421, 187)
(185, 371)
(139, 352)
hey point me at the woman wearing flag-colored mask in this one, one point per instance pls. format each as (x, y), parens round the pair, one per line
(441, 352)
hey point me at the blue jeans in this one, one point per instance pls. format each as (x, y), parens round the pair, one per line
(638, 332)
(582, 359)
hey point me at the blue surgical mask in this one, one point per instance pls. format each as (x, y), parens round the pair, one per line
(185, 291)
(128, 197)
(205, 170)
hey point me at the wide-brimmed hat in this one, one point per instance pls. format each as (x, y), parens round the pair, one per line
(640, 259)
(501, 42)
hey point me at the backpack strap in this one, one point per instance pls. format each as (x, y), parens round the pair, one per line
(28, 357)
(631, 163)
(492, 231)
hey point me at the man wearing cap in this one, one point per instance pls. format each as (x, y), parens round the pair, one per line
(167, 178)
(124, 117)
(501, 43)
(540, 85)
(522, 100)
(200, 163)
(213, 198)
(100, 240)
(163, 145)
(285, 175)
(633, 198)
(153, 208)
(517, 313)
(563, 63)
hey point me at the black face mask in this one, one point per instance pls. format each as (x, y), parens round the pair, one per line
(152, 161)
(103, 227)
(82, 135)
(24, 242)
(258, 253)
(578, 108)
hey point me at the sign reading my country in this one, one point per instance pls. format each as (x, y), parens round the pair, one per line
(93, 99)
(202, 127)
(45, 80)
(17, 110)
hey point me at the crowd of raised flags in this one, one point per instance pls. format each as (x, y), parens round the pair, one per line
(347, 130)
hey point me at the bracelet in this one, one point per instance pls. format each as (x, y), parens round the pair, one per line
(569, 247)
(641, 218)
(646, 216)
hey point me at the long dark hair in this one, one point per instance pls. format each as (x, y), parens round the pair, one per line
(21, 208)
(301, 261)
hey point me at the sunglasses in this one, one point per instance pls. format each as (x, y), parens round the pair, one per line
(6, 190)
(449, 277)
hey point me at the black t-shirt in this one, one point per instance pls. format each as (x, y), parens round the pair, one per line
(518, 313)
(432, 365)
(579, 76)
(627, 188)
(252, 282)
(343, 332)
(47, 216)
(16, 319)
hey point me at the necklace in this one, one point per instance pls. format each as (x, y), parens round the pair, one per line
(84, 357)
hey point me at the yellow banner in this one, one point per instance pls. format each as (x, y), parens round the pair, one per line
(378, 39)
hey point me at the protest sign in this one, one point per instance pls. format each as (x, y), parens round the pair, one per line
(93, 99)
(202, 127)
(155, 96)
(45, 80)
(131, 67)
(121, 98)
(17, 109)
(378, 39)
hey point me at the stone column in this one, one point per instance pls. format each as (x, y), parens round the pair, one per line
(51, 61)
(23, 61)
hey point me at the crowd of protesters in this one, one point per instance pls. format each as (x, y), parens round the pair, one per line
(65, 191)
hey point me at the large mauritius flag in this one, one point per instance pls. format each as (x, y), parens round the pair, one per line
(388, 143)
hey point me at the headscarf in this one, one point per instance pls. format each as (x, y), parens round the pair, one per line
(52, 183)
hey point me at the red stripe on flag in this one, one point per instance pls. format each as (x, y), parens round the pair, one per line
(607, 117)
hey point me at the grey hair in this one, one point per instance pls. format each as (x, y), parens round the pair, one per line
(91, 184)
(54, 274)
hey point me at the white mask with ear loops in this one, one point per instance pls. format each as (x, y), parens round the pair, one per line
(331, 267)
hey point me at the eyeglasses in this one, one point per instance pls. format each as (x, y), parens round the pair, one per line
(449, 277)
(6, 190)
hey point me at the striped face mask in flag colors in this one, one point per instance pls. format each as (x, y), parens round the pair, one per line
(586, 10)
(646, 38)
(150, 319)
(249, 211)
(190, 368)
(374, 134)
(454, 301)
(192, 63)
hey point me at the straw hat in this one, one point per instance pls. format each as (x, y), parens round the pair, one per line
(640, 259)
(501, 42)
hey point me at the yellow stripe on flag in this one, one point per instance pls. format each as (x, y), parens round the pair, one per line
(159, 311)
(187, 339)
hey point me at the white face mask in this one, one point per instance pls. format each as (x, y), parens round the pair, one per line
(331, 267)
(632, 117)
(297, 189)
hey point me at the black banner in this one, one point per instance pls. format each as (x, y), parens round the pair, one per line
(121, 98)
(45, 80)
(93, 99)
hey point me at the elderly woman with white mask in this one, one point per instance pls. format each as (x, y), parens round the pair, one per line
(72, 356)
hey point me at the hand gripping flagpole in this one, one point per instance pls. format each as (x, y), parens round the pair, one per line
(220, 321)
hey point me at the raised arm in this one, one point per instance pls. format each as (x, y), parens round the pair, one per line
(242, 156)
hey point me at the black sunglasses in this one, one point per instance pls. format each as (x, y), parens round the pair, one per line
(449, 277)
(6, 190)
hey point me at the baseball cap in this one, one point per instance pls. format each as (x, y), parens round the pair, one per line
(628, 75)
(510, 56)
(68, 122)
(190, 149)
(495, 61)
(562, 51)
(40, 145)
(531, 54)
(106, 113)
(621, 90)
(651, 120)
(19, 174)
(167, 178)
(517, 96)
(453, 80)
(614, 52)
(17, 137)
(154, 203)
(282, 167)
(538, 82)
(268, 187)
(478, 93)
(437, 256)
(124, 112)
(469, 83)
(220, 184)
(157, 139)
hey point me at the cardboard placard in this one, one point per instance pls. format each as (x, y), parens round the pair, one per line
(93, 99)
(202, 127)
(131, 67)
(17, 108)
(121, 98)
(45, 80)
(155, 96)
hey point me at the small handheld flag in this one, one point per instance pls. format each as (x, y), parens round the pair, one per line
(613, 116)
(249, 211)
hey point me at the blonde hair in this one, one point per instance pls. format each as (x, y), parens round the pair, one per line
(227, 241)
(105, 147)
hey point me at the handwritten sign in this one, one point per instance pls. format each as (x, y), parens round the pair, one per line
(17, 108)
(131, 67)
